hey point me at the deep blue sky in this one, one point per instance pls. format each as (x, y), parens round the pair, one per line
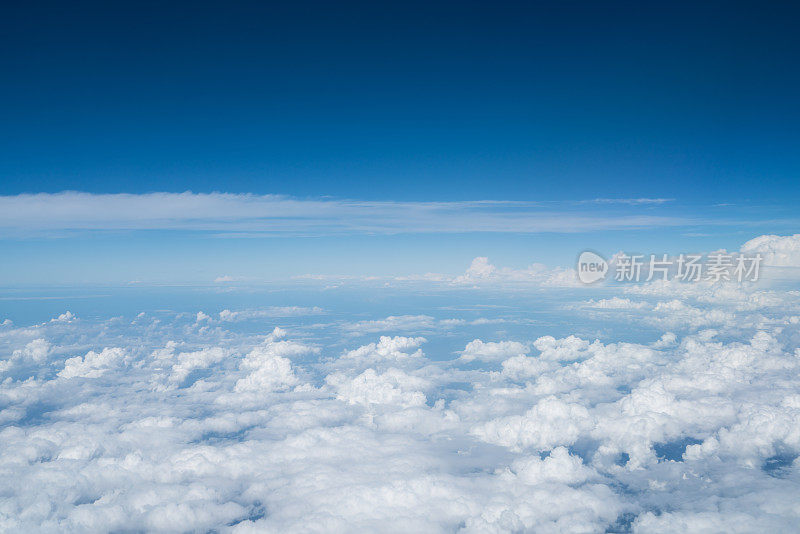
(560, 102)
(422, 101)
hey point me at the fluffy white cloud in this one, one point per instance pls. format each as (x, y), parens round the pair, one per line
(269, 367)
(489, 351)
(559, 466)
(392, 349)
(93, 364)
(187, 362)
(394, 387)
(65, 317)
(36, 350)
(777, 250)
(550, 423)
(479, 269)
(482, 272)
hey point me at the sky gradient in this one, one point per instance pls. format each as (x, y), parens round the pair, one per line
(558, 105)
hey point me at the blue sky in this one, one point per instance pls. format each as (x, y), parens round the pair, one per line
(413, 102)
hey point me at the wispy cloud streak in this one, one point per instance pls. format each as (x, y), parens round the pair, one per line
(247, 214)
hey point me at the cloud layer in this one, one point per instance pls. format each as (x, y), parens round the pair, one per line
(246, 214)
(225, 421)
